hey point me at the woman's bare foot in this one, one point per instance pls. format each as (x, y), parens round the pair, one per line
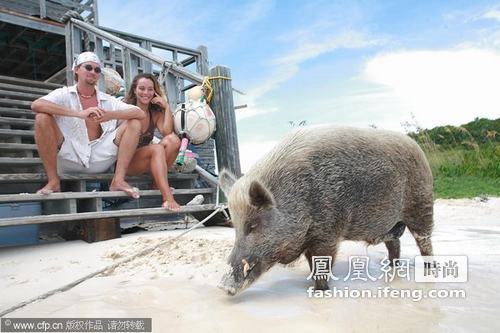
(132, 192)
(51, 187)
(171, 205)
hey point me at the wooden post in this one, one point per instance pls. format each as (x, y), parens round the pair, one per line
(127, 67)
(69, 52)
(147, 67)
(202, 61)
(99, 50)
(96, 15)
(43, 9)
(226, 136)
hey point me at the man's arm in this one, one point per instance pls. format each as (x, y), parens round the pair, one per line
(43, 106)
(131, 112)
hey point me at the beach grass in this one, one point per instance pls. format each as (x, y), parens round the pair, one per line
(465, 160)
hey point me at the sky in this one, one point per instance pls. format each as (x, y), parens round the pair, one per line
(389, 64)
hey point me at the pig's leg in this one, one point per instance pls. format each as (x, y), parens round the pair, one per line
(419, 220)
(421, 229)
(394, 248)
(424, 243)
(328, 251)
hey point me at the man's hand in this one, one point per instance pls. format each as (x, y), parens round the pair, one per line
(92, 113)
(103, 116)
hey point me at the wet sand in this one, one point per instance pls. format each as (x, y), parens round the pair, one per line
(175, 285)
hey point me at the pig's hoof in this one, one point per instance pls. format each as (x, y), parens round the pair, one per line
(321, 285)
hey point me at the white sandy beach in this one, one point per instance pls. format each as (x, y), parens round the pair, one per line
(176, 284)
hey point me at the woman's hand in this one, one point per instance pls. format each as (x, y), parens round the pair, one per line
(160, 101)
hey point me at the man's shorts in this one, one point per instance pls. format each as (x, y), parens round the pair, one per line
(102, 156)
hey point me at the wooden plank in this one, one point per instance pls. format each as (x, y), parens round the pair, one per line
(29, 83)
(26, 197)
(16, 121)
(99, 50)
(43, 9)
(14, 112)
(146, 65)
(19, 95)
(31, 22)
(95, 8)
(15, 103)
(10, 132)
(128, 74)
(40, 177)
(24, 88)
(226, 136)
(68, 33)
(202, 60)
(17, 146)
(20, 161)
(99, 215)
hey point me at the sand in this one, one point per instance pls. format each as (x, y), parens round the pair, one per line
(175, 285)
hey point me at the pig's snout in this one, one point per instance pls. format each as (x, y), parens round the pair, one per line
(236, 278)
(228, 283)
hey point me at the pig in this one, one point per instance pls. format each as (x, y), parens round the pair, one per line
(322, 185)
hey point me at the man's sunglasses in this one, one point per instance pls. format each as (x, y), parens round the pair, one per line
(89, 68)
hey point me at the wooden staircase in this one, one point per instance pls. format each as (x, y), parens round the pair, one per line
(85, 199)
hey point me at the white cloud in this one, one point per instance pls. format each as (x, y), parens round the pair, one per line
(440, 87)
(492, 14)
(251, 152)
(287, 65)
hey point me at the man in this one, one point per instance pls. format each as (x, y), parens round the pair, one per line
(79, 129)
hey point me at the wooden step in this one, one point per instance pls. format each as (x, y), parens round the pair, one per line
(24, 88)
(14, 133)
(17, 95)
(15, 103)
(102, 214)
(26, 197)
(16, 121)
(41, 177)
(17, 146)
(30, 83)
(17, 112)
(20, 161)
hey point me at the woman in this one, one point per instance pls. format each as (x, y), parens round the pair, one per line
(145, 92)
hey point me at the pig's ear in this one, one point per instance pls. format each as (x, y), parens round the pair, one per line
(226, 181)
(259, 196)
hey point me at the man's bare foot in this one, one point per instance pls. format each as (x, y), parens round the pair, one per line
(132, 192)
(171, 205)
(51, 187)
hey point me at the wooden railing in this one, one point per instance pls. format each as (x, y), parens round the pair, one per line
(130, 55)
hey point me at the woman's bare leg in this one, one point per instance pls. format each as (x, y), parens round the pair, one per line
(152, 158)
(171, 143)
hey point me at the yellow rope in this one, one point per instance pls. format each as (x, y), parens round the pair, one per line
(219, 78)
(207, 85)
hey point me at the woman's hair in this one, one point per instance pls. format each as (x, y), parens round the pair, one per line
(130, 98)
